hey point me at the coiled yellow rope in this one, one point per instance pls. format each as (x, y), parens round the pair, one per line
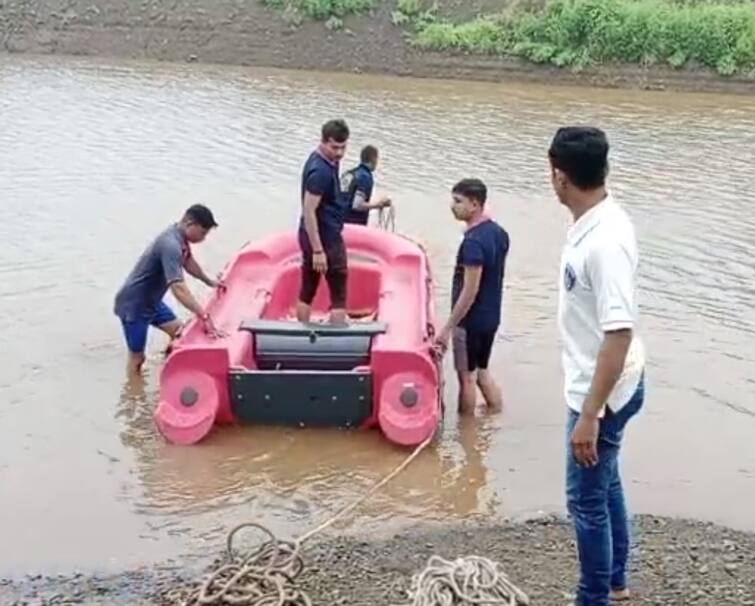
(267, 576)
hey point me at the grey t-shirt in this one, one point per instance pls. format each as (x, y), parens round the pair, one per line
(160, 265)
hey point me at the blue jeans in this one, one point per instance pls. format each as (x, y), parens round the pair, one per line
(595, 500)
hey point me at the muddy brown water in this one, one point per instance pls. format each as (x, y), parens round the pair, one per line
(97, 157)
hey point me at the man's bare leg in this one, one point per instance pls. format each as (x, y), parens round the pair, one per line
(134, 365)
(172, 329)
(338, 317)
(303, 312)
(467, 393)
(490, 390)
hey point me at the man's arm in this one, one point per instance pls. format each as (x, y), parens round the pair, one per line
(184, 296)
(193, 268)
(610, 363)
(311, 202)
(609, 269)
(611, 276)
(172, 262)
(472, 276)
(361, 202)
(471, 257)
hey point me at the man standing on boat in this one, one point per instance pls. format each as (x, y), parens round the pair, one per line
(603, 359)
(357, 185)
(139, 303)
(321, 224)
(476, 298)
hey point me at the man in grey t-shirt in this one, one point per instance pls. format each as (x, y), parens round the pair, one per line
(139, 303)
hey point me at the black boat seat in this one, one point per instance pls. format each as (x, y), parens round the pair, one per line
(286, 345)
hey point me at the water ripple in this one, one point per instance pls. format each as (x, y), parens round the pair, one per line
(95, 159)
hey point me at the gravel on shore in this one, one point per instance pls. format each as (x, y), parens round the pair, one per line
(674, 562)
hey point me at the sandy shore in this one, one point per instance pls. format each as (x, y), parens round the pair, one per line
(247, 33)
(675, 562)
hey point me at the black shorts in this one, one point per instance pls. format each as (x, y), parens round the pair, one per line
(472, 349)
(335, 276)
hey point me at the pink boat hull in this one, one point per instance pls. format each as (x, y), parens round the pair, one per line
(207, 382)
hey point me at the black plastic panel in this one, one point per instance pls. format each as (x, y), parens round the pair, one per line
(337, 399)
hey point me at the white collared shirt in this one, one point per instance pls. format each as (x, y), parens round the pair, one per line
(598, 294)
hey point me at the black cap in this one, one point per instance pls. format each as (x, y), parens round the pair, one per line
(201, 215)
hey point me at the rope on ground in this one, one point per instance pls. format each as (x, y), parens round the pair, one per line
(387, 218)
(267, 575)
(464, 582)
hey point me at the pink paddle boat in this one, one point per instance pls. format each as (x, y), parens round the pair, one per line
(378, 371)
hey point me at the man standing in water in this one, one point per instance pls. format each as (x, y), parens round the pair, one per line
(477, 293)
(603, 359)
(139, 303)
(321, 224)
(357, 185)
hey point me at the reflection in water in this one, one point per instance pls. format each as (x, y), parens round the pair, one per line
(96, 159)
(293, 477)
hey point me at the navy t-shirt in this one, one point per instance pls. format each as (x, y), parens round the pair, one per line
(357, 184)
(320, 177)
(486, 244)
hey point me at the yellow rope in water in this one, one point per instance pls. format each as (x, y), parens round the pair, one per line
(267, 575)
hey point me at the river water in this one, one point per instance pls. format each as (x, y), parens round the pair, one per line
(97, 157)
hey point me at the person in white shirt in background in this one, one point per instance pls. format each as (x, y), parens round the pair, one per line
(603, 358)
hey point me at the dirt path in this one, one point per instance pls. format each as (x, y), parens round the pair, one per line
(675, 563)
(247, 33)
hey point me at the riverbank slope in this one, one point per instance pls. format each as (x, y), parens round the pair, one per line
(250, 33)
(674, 563)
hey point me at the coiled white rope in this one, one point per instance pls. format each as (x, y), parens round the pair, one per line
(466, 581)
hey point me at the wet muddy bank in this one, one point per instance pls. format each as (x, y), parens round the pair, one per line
(228, 32)
(674, 562)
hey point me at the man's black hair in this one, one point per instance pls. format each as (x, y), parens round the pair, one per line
(201, 215)
(369, 154)
(581, 152)
(474, 189)
(337, 130)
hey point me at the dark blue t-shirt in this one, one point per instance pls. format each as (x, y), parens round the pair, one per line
(357, 185)
(320, 177)
(486, 244)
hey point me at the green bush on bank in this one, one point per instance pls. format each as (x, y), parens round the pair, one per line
(322, 10)
(414, 13)
(582, 32)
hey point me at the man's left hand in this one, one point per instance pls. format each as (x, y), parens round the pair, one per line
(218, 283)
(441, 340)
(584, 440)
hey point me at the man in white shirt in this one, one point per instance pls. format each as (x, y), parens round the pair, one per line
(603, 358)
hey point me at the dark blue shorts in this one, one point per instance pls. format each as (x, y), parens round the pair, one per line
(136, 331)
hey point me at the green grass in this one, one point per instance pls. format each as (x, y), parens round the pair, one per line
(322, 10)
(719, 35)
